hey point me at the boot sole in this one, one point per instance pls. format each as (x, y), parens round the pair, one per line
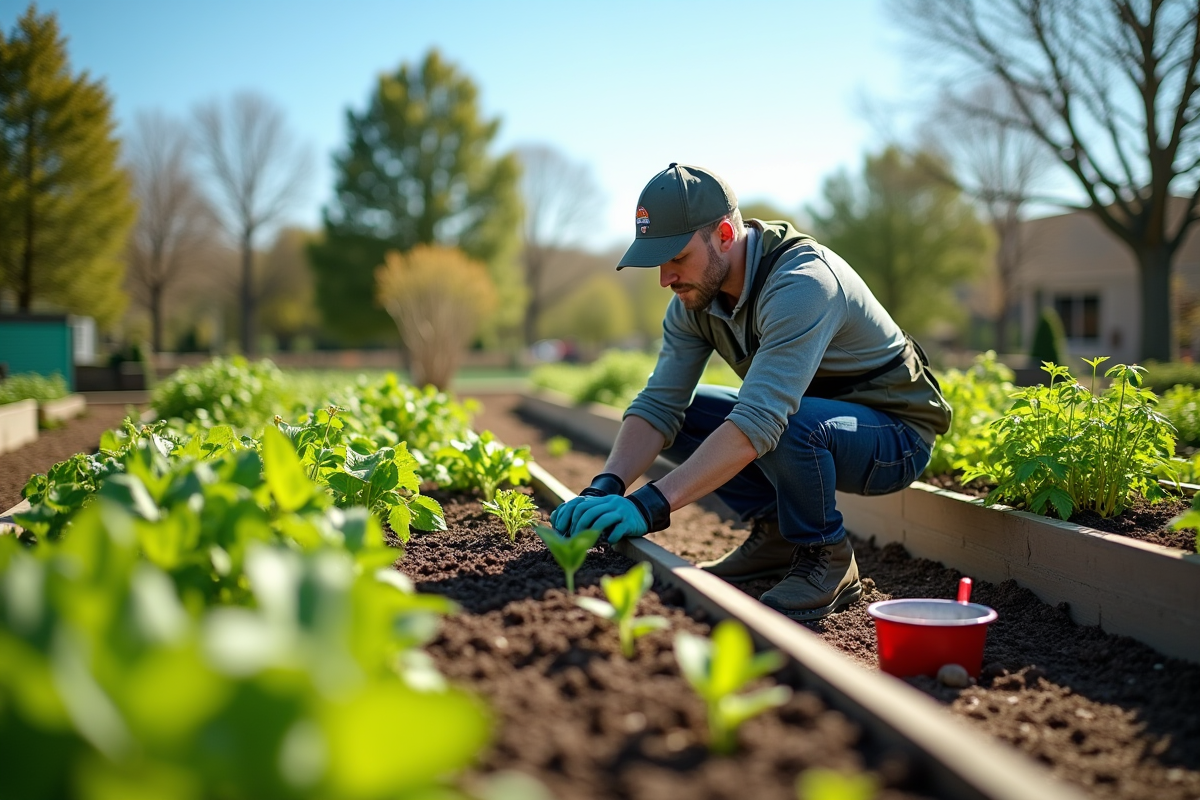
(850, 594)
(753, 576)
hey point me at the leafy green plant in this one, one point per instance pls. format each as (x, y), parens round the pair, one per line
(1181, 406)
(719, 668)
(558, 446)
(623, 593)
(1063, 447)
(123, 687)
(979, 395)
(570, 553)
(480, 462)
(828, 784)
(31, 386)
(515, 509)
(1162, 375)
(229, 391)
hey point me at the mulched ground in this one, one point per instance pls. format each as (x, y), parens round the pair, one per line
(573, 712)
(1104, 712)
(76, 436)
(1143, 520)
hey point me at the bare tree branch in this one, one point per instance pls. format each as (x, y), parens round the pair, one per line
(561, 201)
(259, 173)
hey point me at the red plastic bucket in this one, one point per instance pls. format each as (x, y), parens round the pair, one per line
(920, 636)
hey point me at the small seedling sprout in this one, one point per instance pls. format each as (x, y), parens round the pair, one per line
(827, 784)
(718, 668)
(569, 553)
(515, 509)
(1189, 519)
(558, 446)
(623, 593)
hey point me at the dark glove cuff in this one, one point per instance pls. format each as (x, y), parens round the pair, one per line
(604, 484)
(654, 507)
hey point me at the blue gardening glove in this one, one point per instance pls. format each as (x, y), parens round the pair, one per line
(604, 484)
(643, 511)
(616, 516)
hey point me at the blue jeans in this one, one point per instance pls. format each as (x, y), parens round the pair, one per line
(828, 445)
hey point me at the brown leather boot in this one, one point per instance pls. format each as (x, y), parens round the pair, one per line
(764, 554)
(823, 578)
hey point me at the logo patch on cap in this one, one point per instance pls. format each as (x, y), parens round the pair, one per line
(643, 218)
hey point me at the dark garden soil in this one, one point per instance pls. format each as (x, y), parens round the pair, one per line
(571, 711)
(80, 435)
(1104, 712)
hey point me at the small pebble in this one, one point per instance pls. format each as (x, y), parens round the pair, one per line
(676, 741)
(1083, 713)
(635, 722)
(954, 675)
(500, 642)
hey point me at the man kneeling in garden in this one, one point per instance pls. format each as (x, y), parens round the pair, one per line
(834, 395)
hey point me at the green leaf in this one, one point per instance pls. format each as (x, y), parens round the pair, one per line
(644, 625)
(285, 476)
(732, 653)
(131, 494)
(569, 553)
(826, 784)
(1062, 503)
(736, 709)
(427, 514)
(598, 607)
(400, 520)
(363, 466)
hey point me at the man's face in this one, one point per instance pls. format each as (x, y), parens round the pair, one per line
(696, 274)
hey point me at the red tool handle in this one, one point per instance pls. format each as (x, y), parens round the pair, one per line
(964, 590)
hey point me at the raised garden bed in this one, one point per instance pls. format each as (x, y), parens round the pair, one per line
(1124, 585)
(66, 408)
(587, 722)
(18, 424)
(1105, 712)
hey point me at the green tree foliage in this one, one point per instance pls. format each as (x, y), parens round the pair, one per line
(65, 205)
(1049, 342)
(416, 170)
(597, 313)
(910, 235)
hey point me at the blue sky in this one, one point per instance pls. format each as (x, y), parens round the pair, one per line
(768, 95)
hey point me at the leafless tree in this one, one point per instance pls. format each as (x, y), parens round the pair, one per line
(1110, 87)
(561, 199)
(175, 224)
(259, 172)
(1001, 167)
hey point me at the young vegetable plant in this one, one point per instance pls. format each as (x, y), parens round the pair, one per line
(515, 509)
(569, 553)
(1064, 447)
(623, 593)
(718, 668)
(827, 784)
(483, 463)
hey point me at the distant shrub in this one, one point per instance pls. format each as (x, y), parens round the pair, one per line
(31, 386)
(1160, 376)
(1049, 341)
(616, 377)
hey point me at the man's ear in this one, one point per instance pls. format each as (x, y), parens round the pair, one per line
(727, 236)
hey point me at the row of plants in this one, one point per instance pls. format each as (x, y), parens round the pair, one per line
(31, 386)
(616, 377)
(196, 610)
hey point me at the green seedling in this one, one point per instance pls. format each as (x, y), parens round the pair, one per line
(569, 553)
(515, 509)
(718, 668)
(623, 593)
(558, 446)
(828, 784)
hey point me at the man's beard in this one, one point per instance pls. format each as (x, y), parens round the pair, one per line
(709, 286)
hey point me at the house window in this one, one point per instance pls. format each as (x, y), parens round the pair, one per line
(1080, 314)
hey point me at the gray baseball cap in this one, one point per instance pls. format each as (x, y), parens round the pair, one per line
(675, 204)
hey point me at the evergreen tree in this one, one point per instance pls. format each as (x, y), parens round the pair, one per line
(65, 204)
(416, 170)
(1049, 341)
(908, 233)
